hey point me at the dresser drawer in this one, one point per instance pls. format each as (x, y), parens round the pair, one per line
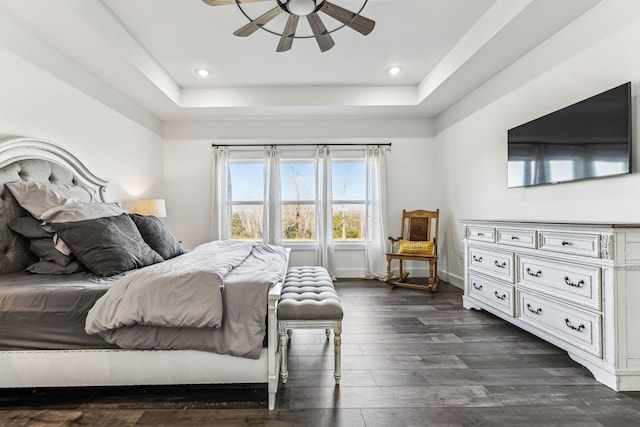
(481, 234)
(580, 284)
(493, 263)
(570, 243)
(496, 295)
(576, 327)
(514, 237)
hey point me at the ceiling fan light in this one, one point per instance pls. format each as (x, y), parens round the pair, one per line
(301, 7)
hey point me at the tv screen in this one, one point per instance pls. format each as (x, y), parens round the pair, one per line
(589, 139)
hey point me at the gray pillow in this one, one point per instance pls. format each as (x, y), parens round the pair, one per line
(157, 235)
(45, 249)
(108, 245)
(29, 227)
(48, 267)
(37, 197)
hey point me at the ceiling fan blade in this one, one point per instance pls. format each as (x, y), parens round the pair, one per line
(260, 21)
(325, 42)
(226, 2)
(357, 22)
(286, 41)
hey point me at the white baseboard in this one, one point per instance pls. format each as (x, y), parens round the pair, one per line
(358, 273)
(455, 280)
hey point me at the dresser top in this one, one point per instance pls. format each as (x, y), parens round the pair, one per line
(536, 223)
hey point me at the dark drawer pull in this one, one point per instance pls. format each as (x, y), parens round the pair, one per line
(480, 234)
(536, 311)
(515, 238)
(573, 285)
(477, 287)
(565, 243)
(503, 297)
(532, 274)
(477, 258)
(575, 328)
(503, 265)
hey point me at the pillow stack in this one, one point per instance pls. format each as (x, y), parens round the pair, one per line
(69, 232)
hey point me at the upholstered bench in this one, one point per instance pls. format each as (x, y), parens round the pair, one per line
(309, 301)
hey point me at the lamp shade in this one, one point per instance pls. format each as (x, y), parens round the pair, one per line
(155, 207)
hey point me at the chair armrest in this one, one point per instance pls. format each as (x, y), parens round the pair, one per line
(393, 243)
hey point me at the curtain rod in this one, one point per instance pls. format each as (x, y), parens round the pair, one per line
(385, 144)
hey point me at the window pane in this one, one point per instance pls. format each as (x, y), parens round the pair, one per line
(297, 179)
(246, 222)
(298, 222)
(349, 180)
(348, 222)
(247, 181)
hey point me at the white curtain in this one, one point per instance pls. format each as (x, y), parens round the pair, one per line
(375, 240)
(324, 211)
(221, 196)
(272, 212)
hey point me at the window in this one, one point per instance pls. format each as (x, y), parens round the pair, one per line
(349, 199)
(298, 194)
(247, 199)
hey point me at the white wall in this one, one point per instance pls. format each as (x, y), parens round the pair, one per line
(472, 149)
(33, 103)
(411, 174)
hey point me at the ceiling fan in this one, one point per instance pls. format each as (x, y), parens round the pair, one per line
(297, 9)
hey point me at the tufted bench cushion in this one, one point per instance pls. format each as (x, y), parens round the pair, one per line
(308, 294)
(309, 300)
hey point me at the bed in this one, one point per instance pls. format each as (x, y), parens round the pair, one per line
(47, 357)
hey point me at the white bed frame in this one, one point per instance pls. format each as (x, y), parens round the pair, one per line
(107, 367)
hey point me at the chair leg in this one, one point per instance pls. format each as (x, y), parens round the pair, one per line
(388, 270)
(402, 278)
(337, 343)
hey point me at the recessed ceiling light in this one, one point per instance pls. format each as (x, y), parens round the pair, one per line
(394, 70)
(202, 72)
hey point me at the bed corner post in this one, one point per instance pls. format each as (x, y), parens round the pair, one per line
(273, 353)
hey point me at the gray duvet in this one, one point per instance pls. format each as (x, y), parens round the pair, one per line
(213, 298)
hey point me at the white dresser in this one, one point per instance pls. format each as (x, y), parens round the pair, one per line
(576, 285)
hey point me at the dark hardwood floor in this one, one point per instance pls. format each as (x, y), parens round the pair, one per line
(409, 358)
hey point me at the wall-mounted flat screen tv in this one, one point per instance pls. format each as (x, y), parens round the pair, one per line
(589, 139)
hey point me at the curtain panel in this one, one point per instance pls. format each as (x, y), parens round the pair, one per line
(221, 209)
(376, 215)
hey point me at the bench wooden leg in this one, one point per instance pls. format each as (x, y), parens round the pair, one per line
(337, 342)
(284, 373)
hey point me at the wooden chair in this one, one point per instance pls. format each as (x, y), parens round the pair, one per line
(417, 242)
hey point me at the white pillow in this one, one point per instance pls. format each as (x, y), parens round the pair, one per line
(37, 197)
(73, 212)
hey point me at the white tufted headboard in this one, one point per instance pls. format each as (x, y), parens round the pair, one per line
(28, 159)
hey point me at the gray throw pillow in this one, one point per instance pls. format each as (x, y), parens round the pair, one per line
(108, 245)
(157, 235)
(45, 249)
(29, 227)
